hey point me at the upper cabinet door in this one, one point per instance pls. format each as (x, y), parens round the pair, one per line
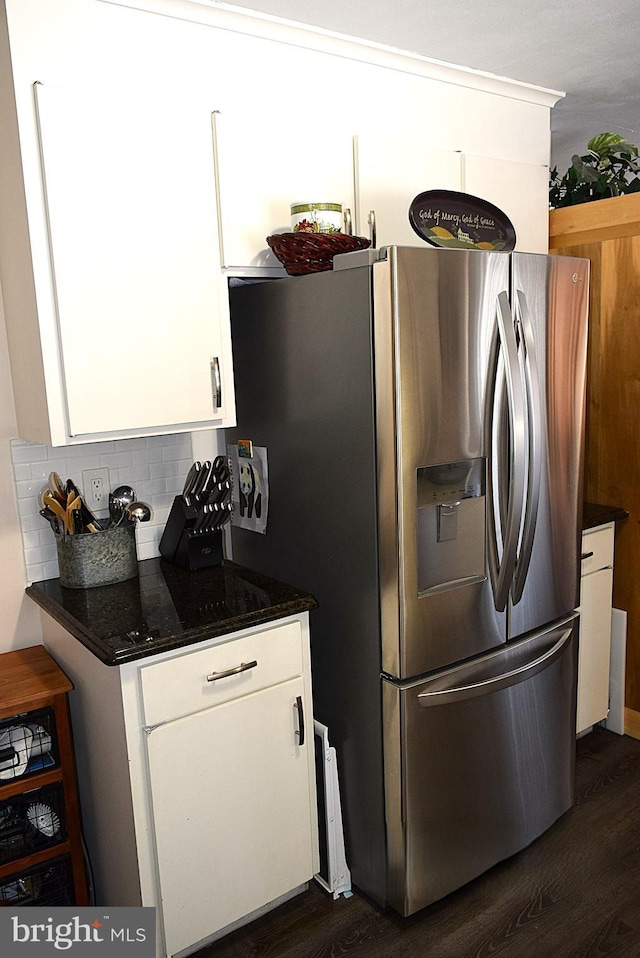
(141, 305)
(389, 175)
(521, 190)
(266, 161)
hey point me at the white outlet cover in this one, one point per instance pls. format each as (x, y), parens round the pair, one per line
(99, 501)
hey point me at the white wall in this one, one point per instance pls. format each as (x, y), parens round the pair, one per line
(19, 617)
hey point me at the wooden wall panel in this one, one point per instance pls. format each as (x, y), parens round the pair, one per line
(612, 452)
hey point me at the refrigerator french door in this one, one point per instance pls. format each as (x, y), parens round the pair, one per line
(422, 411)
(479, 393)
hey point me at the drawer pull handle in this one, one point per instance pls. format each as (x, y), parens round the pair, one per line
(243, 667)
(298, 706)
(586, 555)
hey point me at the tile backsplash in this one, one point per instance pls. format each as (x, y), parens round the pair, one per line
(155, 467)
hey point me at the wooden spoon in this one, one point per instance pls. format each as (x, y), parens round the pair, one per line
(52, 503)
(58, 488)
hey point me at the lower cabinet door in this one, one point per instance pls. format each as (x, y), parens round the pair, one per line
(231, 798)
(594, 649)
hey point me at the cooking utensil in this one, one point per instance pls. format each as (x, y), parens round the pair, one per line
(202, 480)
(89, 521)
(138, 512)
(57, 488)
(52, 503)
(221, 468)
(116, 511)
(53, 520)
(202, 522)
(119, 501)
(191, 479)
(71, 490)
(74, 519)
(125, 494)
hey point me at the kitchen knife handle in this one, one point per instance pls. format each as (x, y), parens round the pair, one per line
(243, 667)
(216, 382)
(299, 707)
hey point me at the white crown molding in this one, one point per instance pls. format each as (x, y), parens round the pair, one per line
(225, 16)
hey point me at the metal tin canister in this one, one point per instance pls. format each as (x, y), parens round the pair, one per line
(316, 217)
(97, 558)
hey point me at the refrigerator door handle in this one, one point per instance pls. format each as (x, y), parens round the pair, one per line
(502, 568)
(429, 697)
(534, 452)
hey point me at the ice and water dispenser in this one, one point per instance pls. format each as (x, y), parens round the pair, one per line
(451, 525)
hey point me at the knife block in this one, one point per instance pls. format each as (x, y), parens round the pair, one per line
(184, 547)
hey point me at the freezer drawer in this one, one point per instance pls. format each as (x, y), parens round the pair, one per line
(480, 762)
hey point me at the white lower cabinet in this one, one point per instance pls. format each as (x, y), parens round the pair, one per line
(230, 796)
(197, 777)
(596, 588)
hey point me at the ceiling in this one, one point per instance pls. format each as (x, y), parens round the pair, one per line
(587, 49)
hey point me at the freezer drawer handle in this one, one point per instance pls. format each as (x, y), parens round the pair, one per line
(299, 707)
(524, 672)
(586, 555)
(243, 667)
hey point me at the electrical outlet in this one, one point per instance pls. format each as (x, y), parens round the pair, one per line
(95, 484)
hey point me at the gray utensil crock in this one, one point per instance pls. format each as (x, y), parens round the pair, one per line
(97, 558)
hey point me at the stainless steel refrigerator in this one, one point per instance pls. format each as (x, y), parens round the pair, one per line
(422, 411)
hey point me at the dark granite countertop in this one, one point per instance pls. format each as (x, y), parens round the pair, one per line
(594, 514)
(166, 607)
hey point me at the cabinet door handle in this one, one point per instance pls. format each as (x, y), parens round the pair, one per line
(243, 667)
(300, 710)
(586, 555)
(216, 382)
(372, 228)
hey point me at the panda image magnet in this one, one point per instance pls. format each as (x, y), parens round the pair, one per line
(250, 476)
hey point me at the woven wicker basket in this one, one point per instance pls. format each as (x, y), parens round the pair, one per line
(312, 252)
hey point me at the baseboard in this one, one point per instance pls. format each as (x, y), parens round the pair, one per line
(632, 723)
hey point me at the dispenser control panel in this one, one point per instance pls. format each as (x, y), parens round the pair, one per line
(450, 481)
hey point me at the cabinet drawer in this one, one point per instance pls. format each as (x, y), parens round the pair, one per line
(180, 686)
(597, 549)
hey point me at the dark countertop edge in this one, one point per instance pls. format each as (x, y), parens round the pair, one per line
(594, 514)
(292, 606)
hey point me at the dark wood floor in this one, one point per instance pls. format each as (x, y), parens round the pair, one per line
(574, 893)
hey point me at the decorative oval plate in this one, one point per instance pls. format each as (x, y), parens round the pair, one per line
(461, 221)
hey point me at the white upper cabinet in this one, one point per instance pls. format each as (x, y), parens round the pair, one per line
(263, 167)
(389, 174)
(115, 304)
(521, 190)
(131, 209)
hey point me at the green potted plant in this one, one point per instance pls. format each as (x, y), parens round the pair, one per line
(610, 167)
